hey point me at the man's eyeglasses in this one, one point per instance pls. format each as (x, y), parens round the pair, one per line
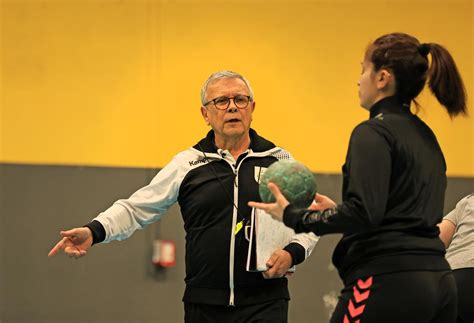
(223, 102)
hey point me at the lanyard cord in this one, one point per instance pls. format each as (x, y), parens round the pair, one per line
(222, 184)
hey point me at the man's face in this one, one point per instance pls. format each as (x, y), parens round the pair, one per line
(232, 122)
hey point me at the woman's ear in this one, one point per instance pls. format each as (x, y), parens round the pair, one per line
(385, 80)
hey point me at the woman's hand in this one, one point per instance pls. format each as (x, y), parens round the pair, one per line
(274, 209)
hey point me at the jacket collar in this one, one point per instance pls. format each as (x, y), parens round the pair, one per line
(390, 104)
(257, 143)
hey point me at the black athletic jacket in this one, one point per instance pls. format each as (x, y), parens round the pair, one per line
(207, 183)
(393, 195)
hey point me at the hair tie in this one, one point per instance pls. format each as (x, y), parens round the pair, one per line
(424, 49)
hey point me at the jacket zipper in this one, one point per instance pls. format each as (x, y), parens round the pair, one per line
(232, 232)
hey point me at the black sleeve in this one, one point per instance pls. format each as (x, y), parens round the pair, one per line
(98, 231)
(297, 253)
(368, 169)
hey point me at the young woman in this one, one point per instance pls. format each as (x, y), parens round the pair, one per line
(390, 257)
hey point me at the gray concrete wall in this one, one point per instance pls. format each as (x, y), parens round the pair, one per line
(117, 282)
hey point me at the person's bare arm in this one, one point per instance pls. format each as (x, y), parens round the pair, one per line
(446, 231)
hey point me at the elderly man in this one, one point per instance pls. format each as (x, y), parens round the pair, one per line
(212, 182)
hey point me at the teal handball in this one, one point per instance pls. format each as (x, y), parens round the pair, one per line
(295, 181)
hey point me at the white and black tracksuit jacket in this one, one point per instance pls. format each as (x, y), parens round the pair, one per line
(212, 190)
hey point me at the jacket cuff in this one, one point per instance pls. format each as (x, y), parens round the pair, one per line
(293, 218)
(98, 231)
(297, 253)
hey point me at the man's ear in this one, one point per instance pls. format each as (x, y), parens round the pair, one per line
(253, 109)
(204, 115)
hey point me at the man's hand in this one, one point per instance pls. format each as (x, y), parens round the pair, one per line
(274, 209)
(278, 264)
(74, 243)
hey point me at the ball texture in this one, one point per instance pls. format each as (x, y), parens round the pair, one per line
(294, 180)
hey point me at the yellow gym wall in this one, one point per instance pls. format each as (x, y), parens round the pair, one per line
(116, 82)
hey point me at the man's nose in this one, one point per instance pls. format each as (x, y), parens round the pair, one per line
(232, 107)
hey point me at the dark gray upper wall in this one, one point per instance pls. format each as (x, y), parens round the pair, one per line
(117, 282)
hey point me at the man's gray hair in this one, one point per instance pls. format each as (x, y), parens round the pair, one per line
(221, 75)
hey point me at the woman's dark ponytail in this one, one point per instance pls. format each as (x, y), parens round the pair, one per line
(445, 81)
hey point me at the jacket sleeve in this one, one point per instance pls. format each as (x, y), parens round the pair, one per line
(301, 246)
(145, 206)
(368, 169)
